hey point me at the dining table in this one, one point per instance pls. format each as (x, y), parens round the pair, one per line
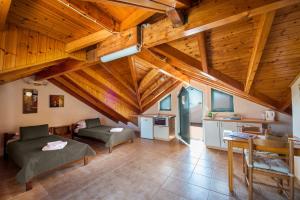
(242, 143)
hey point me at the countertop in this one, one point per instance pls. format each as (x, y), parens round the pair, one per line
(245, 120)
(157, 115)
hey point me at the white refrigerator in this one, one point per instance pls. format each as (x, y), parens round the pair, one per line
(147, 127)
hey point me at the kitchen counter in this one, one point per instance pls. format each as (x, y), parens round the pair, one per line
(157, 115)
(244, 120)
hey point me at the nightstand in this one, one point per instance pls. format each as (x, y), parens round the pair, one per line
(64, 131)
(7, 137)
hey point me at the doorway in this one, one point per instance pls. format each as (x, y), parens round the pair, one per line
(190, 102)
(196, 113)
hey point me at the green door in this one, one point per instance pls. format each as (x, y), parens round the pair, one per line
(184, 115)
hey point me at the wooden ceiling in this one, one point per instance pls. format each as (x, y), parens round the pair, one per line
(250, 49)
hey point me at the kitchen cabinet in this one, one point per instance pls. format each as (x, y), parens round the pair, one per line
(211, 133)
(214, 132)
(165, 133)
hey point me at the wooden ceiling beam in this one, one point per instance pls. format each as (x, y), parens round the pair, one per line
(261, 38)
(68, 86)
(132, 67)
(163, 30)
(4, 8)
(160, 6)
(191, 65)
(163, 67)
(135, 18)
(158, 84)
(62, 68)
(147, 79)
(118, 77)
(202, 51)
(88, 40)
(93, 13)
(160, 95)
(101, 82)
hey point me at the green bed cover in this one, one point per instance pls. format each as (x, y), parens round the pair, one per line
(28, 155)
(103, 133)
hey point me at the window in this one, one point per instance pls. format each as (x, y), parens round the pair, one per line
(221, 102)
(165, 104)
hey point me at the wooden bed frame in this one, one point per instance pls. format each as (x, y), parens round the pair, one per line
(28, 184)
(73, 126)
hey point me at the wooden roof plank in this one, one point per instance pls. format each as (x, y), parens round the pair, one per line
(263, 32)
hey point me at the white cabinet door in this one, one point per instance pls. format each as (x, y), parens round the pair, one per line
(147, 127)
(225, 129)
(161, 132)
(211, 132)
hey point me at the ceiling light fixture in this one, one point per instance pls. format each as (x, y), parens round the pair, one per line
(128, 51)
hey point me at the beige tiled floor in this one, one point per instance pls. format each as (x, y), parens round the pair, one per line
(143, 170)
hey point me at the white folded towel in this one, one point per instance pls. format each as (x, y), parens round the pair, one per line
(116, 130)
(54, 145)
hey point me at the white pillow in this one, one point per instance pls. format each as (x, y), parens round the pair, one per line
(80, 125)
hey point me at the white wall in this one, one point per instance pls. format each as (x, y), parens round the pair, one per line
(244, 107)
(296, 118)
(11, 110)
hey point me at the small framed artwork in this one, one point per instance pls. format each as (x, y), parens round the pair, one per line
(57, 101)
(30, 101)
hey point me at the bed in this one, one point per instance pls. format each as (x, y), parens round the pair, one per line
(28, 155)
(95, 130)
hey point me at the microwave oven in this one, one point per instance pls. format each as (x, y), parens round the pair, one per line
(161, 121)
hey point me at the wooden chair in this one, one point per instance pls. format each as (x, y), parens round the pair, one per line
(277, 162)
(251, 130)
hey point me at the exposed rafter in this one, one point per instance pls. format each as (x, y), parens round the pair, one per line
(4, 8)
(191, 66)
(202, 51)
(70, 87)
(118, 77)
(86, 41)
(160, 94)
(147, 79)
(160, 6)
(263, 31)
(156, 85)
(99, 81)
(163, 67)
(135, 18)
(62, 68)
(163, 32)
(92, 13)
(132, 68)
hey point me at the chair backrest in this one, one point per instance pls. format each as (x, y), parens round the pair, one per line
(251, 129)
(272, 144)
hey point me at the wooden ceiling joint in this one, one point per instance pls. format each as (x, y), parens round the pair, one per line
(261, 38)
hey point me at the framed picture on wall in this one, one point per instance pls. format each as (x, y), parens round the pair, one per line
(30, 101)
(57, 101)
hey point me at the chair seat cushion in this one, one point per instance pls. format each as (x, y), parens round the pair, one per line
(267, 161)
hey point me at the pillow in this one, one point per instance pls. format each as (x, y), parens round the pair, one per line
(80, 125)
(91, 123)
(33, 132)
